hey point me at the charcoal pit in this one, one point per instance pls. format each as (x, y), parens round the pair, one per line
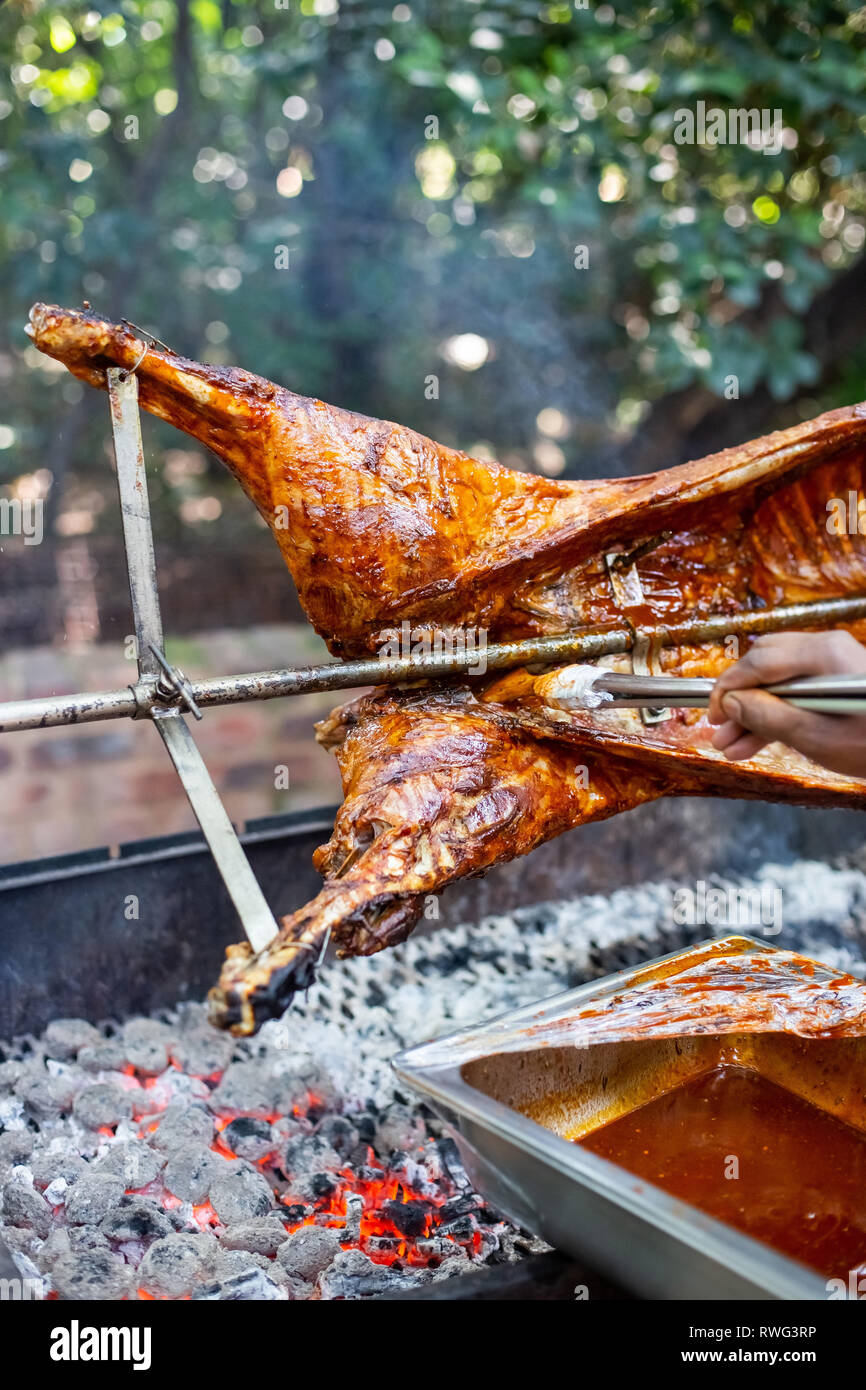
(156, 1159)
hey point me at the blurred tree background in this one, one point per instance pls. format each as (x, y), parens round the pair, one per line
(352, 198)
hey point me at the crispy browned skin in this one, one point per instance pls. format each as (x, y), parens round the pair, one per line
(378, 524)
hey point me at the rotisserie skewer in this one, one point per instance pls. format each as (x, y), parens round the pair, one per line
(95, 706)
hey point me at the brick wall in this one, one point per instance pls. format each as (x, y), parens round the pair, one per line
(102, 784)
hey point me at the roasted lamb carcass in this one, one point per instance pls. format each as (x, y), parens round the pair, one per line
(380, 526)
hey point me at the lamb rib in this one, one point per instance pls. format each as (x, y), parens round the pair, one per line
(378, 525)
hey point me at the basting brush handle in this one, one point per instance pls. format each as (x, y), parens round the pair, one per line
(822, 694)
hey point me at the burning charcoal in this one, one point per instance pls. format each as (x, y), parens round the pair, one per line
(247, 1285)
(437, 1248)
(248, 1137)
(453, 1163)
(464, 1228)
(84, 1275)
(203, 1053)
(92, 1197)
(183, 1124)
(149, 1056)
(57, 1244)
(311, 1189)
(47, 1168)
(399, 1128)
(136, 1162)
(105, 1055)
(46, 1097)
(172, 1266)
(190, 1171)
(458, 1206)
(136, 1218)
(354, 1275)
(486, 1247)
(365, 1172)
(309, 1251)
(9, 1171)
(236, 1196)
(146, 1030)
(410, 1218)
(205, 1242)
(383, 1245)
(64, 1037)
(25, 1248)
(263, 1235)
(23, 1206)
(296, 1212)
(11, 1111)
(87, 1238)
(354, 1212)
(308, 1150)
(243, 1090)
(16, 1145)
(297, 1290)
(103, 1104)
(180, 1218)
(284, 1128)
(10, 1073)
(299, 1078)
(172, 1087)
(366, 1127)
(24, 1245)
(487, 1215)
(309, 1154)
(322, 1185)
(233, 1262)
(515, 1245)
(55, 1192)
(454, 1264)
(339, 1132)
(404, 1166)
(431, 1161)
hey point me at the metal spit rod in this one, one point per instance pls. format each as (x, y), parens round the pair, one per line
(137, 700)
(160, 678)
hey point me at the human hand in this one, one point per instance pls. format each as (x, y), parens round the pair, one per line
(750, 718)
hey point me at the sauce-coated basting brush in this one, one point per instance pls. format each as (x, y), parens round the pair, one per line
(593, 687)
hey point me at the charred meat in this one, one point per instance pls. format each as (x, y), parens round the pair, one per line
(380, 526)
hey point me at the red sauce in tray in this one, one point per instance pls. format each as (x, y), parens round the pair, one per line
(802, 1173)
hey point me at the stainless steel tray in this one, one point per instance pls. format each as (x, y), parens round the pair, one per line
(652, 1243)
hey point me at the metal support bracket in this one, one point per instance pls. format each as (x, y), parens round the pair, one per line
(628, 591)
(167, 686)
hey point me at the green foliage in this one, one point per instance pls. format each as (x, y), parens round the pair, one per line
(430, 169)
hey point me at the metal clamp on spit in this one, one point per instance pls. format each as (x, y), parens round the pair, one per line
(173, 685)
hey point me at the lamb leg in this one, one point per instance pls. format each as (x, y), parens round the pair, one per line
(378, 524)
(434, 791)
